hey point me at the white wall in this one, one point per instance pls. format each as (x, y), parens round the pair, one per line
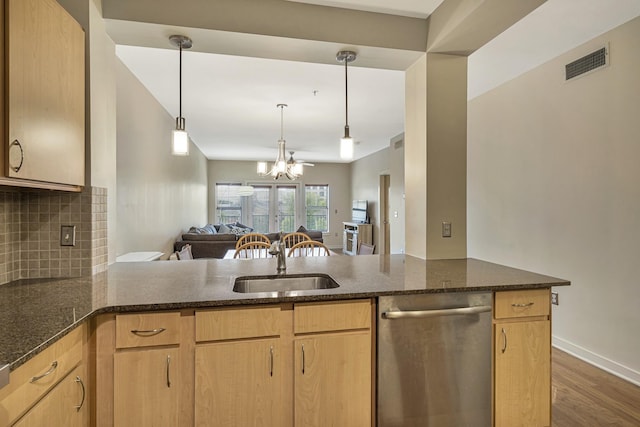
(554, 187)
(336, 175)
(158, 195)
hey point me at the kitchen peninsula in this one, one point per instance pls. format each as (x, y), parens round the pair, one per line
(190, 295)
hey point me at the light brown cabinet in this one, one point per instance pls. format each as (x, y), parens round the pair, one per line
(333, 380)
(45, 387)
(306, 364)
(65, 405)
(238, 367)
(146, 379)
(522, 359)
(146, 387)
(43, 126)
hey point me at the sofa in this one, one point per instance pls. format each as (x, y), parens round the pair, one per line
(214, 240)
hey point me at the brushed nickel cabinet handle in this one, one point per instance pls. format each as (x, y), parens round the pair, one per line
(168, 371)
(504, 341)
(79, 381)
(53, 367)
(528, 304)
(147, 332)
(303, 359)
(271, 361)
(14, 143)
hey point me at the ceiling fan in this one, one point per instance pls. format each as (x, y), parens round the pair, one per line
(291, 161)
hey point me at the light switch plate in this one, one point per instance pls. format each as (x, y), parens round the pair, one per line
(446, 229)
(67, 235)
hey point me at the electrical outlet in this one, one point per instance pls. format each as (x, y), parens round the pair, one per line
(554, 298)
(67, 235)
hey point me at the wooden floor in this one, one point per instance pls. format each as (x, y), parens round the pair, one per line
(585, 396)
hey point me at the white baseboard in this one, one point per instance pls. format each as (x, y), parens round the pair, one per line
(598, 361)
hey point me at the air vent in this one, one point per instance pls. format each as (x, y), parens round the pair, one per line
(585, 64)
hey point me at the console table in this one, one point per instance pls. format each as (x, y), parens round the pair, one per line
(355, 233)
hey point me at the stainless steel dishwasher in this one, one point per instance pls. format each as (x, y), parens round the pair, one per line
(434, 360)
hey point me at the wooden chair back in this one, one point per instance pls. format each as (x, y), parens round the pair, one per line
(253, 250)
(366, 249)
(292, 238)
(184, 253)
(252, 237)
(308, 248)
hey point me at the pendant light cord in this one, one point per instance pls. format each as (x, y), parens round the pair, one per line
(281, 122)
(346, 93)
(180, 84)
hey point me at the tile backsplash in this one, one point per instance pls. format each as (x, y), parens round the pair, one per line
(30, 222)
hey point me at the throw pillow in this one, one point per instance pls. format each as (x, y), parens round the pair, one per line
(301, 229)
(211, 229)
(224, 229)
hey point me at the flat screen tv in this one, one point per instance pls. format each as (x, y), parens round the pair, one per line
(359, 212)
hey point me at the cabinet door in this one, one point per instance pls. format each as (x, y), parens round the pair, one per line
(238, 384)
(146, 387)
(333, 380)
(45, 91)
(523, 374)
(64, 405)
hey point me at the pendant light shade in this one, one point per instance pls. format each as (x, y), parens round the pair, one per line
(179, 137)
(346, 142)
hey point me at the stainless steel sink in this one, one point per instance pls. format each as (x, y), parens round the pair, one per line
(284, 283)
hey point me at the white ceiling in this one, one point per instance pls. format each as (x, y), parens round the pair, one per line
(229, 101)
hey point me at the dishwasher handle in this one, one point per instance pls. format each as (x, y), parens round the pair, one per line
(421, 314)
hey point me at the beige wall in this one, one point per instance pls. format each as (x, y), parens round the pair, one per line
(415, 158)
(397, 195)
(158, 195)
(102, 88)
(553, 186)
(336, 175)
(365, 185)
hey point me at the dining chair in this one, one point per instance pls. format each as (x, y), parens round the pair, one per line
(252, 237)
(292, 238)
(253, 250)
(366, 249)
(308, 248)
(184, 253)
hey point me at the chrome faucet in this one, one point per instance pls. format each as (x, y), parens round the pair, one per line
(277, 248)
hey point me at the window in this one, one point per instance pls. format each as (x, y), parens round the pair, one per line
(317, 206)
(228, 203)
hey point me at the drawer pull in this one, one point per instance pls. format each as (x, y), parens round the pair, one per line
(529, 304)
(504, 341)
(147, 332)
(168, 371)
(13, 143)
(271, 361)
(79, 381)
(303, 359)
(53, 367)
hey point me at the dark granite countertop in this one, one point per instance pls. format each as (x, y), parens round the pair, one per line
(35, 313)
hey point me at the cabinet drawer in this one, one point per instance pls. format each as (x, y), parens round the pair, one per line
(147, 329)
(522, 303)
(333, 316)
(51, 365)
(235, 323)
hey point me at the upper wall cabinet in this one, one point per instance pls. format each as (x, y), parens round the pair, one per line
(44, 98)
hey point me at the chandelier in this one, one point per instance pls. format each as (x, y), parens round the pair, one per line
(289, 168)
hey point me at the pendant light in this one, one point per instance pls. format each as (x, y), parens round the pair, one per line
(282, 167)
(346, 142)
(179, 137)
